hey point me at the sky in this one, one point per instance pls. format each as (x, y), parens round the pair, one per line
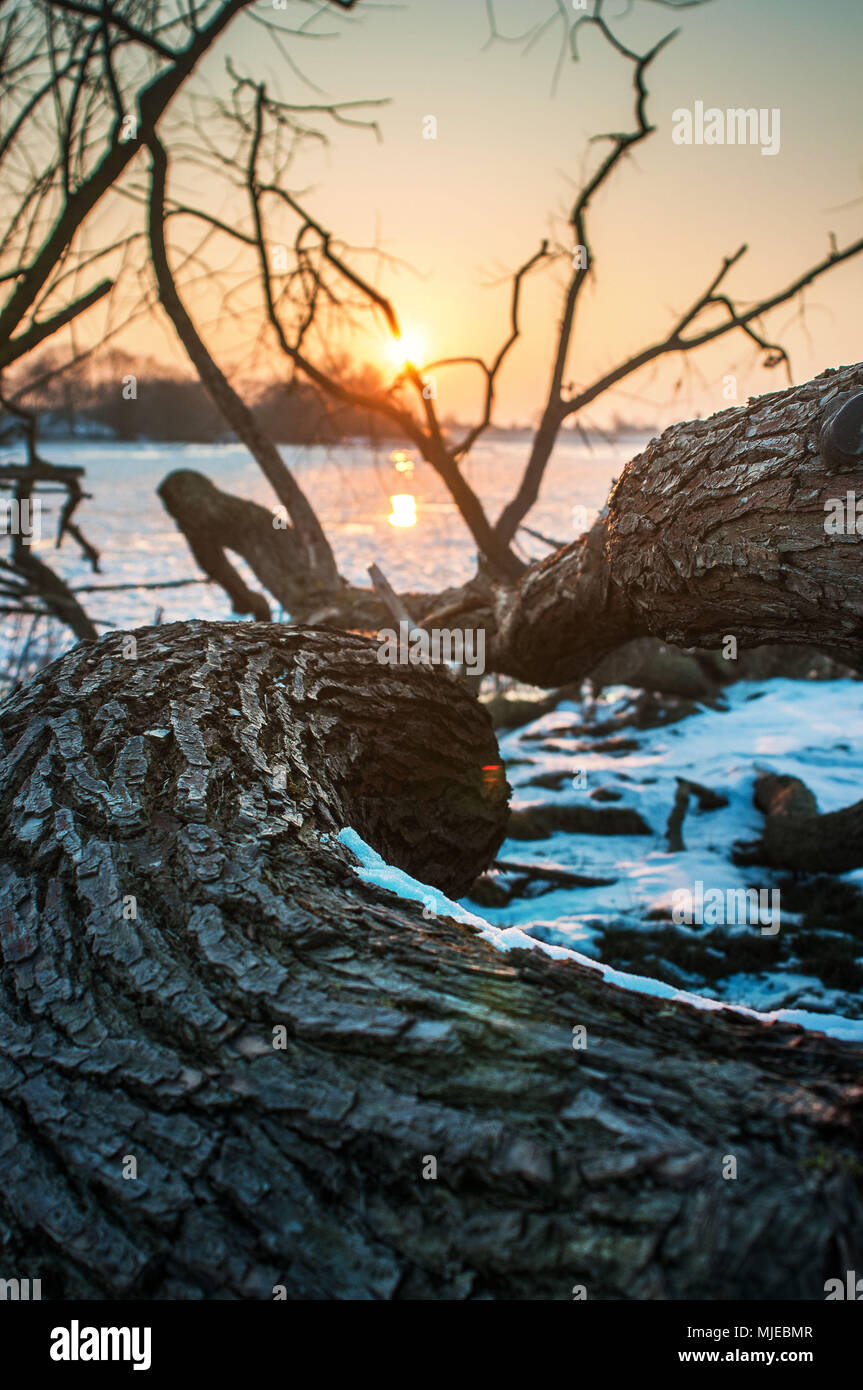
(512, 145)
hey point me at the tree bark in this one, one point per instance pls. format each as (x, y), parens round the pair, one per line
(206, 777)
(716, 530)
(213, 521)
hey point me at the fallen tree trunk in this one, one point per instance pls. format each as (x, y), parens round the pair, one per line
(717, 530)
(173, 896)
(215, 522)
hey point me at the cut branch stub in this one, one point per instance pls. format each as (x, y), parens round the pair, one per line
(796, 836)
(841, 440)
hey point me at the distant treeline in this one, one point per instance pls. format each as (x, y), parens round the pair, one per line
(127, 398)
(116, 395)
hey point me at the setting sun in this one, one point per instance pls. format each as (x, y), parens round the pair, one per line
(405, 350)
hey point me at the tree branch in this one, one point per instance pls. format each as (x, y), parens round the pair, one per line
(38, 332)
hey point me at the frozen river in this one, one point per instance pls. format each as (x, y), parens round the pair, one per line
(350, 486)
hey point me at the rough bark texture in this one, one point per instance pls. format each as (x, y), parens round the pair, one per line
(718, 528)
(203, 778)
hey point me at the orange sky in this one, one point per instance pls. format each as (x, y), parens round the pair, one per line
(468, 207)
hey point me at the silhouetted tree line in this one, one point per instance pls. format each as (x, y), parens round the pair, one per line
(139, 398)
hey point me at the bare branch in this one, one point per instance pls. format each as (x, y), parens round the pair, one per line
(38, 332)
(491, 372)
(320, 557)
(675, 342)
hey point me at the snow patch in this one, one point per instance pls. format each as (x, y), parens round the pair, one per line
(372, 868)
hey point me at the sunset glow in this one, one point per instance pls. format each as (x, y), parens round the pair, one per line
(405, 350)
(404, 510)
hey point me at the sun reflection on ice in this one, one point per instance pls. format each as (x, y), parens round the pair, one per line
(404, 510)
(402, 461)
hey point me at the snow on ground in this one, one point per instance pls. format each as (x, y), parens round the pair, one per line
(371, 868)
(808, 729)
(810, 971)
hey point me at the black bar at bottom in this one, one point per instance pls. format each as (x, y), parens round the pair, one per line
(247, 1339)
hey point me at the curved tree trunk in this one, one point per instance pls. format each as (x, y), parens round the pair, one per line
(172, 894)
(214, 521)
(716, 530)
